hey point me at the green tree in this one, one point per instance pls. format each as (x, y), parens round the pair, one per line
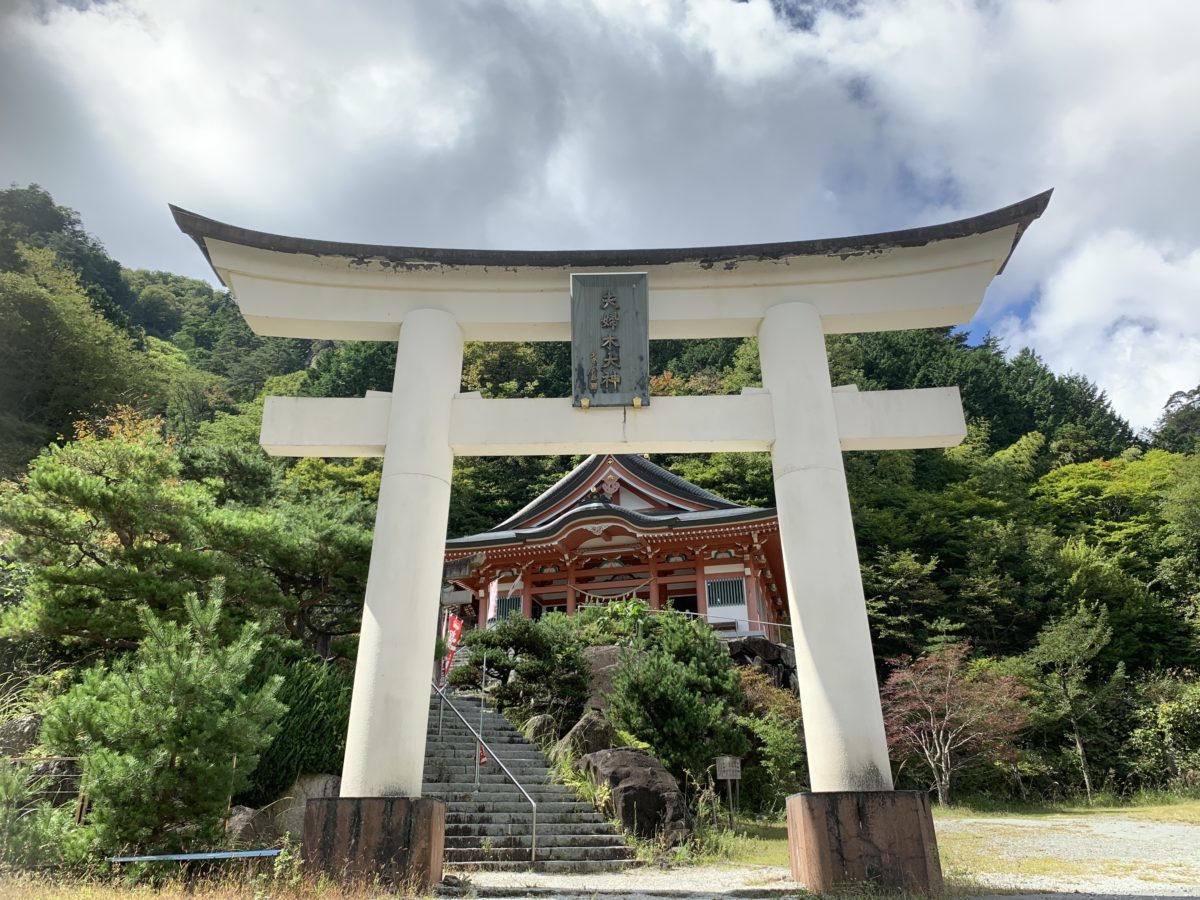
(166, 736)
(29, 216)
(679, 695)
(59, 359)
(1064, 652)
(902, 601)
(1178, 428)
(533, 668)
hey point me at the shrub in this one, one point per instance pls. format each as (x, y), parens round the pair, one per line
(777, 764)
(33, 833)
(1164, 747)
(166, 735)
(311, 739)
(533, 668)
(679, 696)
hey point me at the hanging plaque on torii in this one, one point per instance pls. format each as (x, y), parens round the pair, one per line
(610, 340)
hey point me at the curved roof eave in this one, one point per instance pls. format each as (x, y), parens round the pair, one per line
(645, 469)
(200, 228)
(701, 519)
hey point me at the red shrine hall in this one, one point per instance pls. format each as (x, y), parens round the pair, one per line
(618, 527)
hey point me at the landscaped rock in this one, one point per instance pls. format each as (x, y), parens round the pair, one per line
(602, 664)
(645, 797)
(750, 646)
(287, 813)
(251, 828)
(591, 733)
(19, 734)
(541, 731)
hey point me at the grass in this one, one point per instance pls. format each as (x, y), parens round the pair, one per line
(1154, 807)
(231, 887)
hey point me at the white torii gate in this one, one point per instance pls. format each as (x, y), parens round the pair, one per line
(789, 295)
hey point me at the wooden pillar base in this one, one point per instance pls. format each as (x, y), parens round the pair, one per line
(397, 841)
(879, 838)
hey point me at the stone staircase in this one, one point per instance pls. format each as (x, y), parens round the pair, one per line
(491, 828)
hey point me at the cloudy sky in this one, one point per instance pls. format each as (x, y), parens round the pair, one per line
(617, 123)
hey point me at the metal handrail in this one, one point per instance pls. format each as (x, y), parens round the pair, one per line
(478, 737)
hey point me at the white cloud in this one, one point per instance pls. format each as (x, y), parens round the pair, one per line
(530, 123)
(1125, 306)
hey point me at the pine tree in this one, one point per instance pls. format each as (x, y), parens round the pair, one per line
(168, 734)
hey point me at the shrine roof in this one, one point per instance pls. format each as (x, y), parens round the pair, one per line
(658, 520)
(202, 229)
(636, 465)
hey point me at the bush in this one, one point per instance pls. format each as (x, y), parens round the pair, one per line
(311, 739)
(679, 696)
(533, 668)
(1164, 748)
(33, 833)
(168, 734)
(777, 763)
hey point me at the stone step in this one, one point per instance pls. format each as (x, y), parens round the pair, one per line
(571, 835)
(548, 854)
(548, 865)
(524, 821)
(538, 792)
(488, 775)
(487, 828)
(546, 802)
(544, 840)
(511, 806)
(462, 772)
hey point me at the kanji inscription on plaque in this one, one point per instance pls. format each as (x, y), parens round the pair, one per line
(610, 340)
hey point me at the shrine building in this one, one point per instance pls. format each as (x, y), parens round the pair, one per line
(617, 527)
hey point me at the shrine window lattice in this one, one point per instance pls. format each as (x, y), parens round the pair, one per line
(726, 592)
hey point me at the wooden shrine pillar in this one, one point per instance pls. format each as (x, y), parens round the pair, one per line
(527, 592)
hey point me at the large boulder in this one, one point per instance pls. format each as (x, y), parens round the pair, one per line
(250, 828)
(287, 813)
(644, 795)
(19, 734)
(591, 733)
(746, 649)
(602, 664)
(541, 731)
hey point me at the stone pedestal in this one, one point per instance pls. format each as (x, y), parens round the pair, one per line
(880, 838)
(398, 841)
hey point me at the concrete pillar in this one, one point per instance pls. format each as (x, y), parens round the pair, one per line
(843, 723)
(385, 744)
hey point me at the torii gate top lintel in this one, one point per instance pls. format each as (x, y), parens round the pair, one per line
(919, 277)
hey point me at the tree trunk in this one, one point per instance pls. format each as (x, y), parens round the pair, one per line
(1083, 763)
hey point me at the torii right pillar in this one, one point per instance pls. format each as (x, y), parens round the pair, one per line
(852, 828)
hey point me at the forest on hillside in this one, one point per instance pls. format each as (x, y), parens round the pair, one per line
(1053, 557)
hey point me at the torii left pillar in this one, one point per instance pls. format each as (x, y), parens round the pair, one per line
(380, 807)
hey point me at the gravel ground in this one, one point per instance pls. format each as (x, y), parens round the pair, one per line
(1089, 857)
(1103, 855)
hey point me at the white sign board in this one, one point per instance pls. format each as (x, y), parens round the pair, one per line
(729, 768)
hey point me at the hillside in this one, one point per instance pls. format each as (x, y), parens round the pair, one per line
(129, 410)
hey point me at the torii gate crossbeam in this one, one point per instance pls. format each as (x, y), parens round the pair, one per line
(790, 295)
